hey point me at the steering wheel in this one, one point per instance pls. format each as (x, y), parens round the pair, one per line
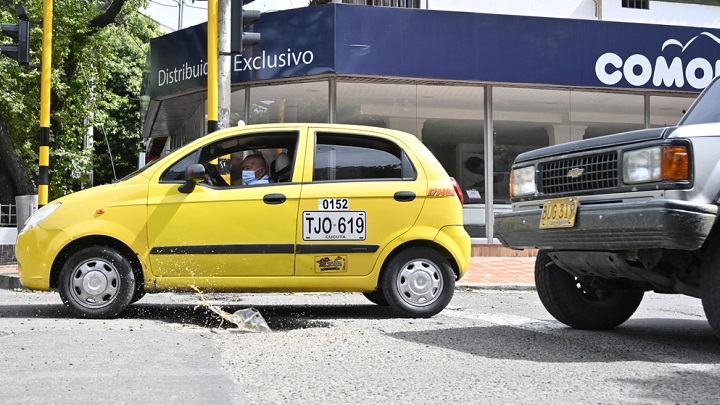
(213, 177)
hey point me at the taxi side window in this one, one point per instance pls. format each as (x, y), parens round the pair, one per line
(354, 157)
(223, 159)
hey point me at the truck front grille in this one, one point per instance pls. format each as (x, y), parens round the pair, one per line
(582, 173)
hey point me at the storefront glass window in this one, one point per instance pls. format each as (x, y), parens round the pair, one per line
(667, 111)
(451, 124)
(384, 105)
(525, 119)
(602, 113)
(448, 119)
(294, 102)
(237, 107)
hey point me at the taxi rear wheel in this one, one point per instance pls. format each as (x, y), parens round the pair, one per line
(97, 282)
(418, 282)
(376, 297)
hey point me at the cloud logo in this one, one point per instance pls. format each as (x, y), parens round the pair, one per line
(683, 47)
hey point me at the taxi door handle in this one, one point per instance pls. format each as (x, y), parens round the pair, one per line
(404, 196)
(274, 198)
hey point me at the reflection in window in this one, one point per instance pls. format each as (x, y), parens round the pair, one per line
(706, 109)
(237, 107)
(527, 119)
(668, 111)
(294, 102)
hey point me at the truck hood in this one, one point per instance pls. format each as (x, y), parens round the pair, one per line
(592, 143)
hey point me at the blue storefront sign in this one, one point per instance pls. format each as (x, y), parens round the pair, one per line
(441, 45)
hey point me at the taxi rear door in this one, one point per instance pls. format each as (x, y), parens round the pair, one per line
(360, 191)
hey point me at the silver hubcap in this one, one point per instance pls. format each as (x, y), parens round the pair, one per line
(95, 283)
(419, 282)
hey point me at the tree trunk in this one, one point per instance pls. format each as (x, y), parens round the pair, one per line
(17, 182)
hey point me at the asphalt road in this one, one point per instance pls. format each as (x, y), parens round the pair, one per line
(487, 347)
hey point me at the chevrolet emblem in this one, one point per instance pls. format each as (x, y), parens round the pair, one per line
(575, 172)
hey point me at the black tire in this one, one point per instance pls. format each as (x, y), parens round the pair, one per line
(97, 282)
(575, 304)
(137, 296)
(710, 288)
(418, 282)
(376, 297)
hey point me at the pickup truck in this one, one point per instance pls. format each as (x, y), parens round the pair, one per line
(618, 215)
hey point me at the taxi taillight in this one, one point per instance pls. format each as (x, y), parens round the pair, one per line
(458, 190)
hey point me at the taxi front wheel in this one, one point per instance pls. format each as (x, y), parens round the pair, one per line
(418, 282)
(96, 282)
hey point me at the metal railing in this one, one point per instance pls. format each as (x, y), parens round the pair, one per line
(8, 215)
(8, 219)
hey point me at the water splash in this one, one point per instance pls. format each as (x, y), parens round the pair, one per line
(248, 319)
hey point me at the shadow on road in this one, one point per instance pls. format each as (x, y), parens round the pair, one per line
(278, 317)
(651, 340)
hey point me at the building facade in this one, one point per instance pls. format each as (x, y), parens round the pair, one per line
(477, 88)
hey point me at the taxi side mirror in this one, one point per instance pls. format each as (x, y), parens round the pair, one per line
(193, 175)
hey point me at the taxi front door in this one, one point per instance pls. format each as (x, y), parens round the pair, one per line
(240, 231)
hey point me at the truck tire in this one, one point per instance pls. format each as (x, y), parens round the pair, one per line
(710, 288)
(577, 305)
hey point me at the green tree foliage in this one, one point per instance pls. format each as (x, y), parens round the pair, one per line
(98, 58)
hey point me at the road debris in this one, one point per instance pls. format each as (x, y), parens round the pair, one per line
(248, 319)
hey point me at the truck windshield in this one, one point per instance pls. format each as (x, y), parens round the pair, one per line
(706, 108)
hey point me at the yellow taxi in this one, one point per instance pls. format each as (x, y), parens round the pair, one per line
(277, 207)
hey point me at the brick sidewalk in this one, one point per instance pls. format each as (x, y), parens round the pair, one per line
(500, 271)
(495, 272)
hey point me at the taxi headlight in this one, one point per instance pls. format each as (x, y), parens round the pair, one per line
(523, 181)
(656, 164)
(39, 215)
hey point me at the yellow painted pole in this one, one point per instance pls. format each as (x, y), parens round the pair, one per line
(45, 83)
(212, 58)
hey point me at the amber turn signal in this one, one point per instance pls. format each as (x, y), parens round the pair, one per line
(675, 163)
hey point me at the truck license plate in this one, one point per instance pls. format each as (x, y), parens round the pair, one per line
(559, 213)
(333, 225)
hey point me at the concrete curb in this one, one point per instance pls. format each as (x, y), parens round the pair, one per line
(499, 287)
(10, 282)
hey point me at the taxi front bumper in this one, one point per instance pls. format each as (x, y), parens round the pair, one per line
(35, 251)
(666, 224)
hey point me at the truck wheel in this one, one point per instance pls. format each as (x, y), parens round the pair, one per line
(576, 304)
(710, 288)
(418, 282)
(96, 282)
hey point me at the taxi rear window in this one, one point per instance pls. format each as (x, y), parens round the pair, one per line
(356, 157)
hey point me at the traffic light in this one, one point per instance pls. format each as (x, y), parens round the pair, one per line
(241, 40)
(19, 32)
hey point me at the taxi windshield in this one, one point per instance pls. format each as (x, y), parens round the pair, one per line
(140, 170)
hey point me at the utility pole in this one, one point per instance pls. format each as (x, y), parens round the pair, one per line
(212, 61)
(181, 3)
(45, 83)
(225, 59)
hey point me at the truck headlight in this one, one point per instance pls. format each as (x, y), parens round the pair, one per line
(522, 181)
(656, 164)
(39, 215)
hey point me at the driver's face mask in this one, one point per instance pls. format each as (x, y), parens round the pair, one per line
(248, 176)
